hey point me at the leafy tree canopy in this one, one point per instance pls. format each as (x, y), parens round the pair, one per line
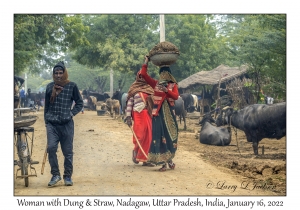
(260, 42)
(200, 48)
(118, 41)
(39, 40)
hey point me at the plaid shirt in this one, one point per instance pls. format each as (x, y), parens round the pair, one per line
(60, 111)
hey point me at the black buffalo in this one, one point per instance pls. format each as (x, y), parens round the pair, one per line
(188, 102)
(212, 135)
(99, 96)
(258, 121)
(117, 95)
(180, 111)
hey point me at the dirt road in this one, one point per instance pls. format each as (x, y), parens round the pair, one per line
(103, 166)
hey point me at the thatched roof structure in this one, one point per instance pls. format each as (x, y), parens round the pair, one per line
(212, 77)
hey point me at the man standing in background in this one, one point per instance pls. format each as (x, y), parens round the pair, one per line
(22, 97)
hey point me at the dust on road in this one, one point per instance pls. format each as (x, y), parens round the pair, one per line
(103, 166)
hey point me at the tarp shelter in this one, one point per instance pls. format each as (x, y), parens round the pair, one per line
(212, 77)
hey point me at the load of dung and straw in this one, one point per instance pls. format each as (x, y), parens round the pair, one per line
(164, 54)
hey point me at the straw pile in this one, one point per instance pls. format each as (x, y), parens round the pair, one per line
(163, 47)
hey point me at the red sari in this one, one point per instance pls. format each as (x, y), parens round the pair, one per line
(142, 127)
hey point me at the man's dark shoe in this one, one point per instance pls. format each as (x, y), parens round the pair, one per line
(54, 180)
(68, 181)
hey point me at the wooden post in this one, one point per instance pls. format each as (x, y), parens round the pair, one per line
(162, 27)
(111, 82)
(25, 87)
(201, 100)
(218, 100)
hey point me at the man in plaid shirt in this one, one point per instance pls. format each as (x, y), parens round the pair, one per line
(58, 117)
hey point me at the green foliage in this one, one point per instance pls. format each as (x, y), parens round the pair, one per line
(46, 82)
(118, 42)
(200, 48)
(85, 77)
(260, 42)
(35, 83)
(39, 40)
(103, 42)
(47, 75)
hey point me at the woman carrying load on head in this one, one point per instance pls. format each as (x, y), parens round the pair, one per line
(164, 125)
(139, 109)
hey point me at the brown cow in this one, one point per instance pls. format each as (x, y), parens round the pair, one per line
(203, 103)
(92, 102)
(113, 106)
(18, 81)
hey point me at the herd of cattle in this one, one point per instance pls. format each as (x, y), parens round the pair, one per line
(97, 101)
(258, 121)
(116, 105)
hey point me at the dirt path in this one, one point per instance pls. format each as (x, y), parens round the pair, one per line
(103, 166)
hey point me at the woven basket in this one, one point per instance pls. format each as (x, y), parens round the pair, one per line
(24, 121)
(164, 58)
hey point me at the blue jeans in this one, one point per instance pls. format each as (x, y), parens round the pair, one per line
(62, 134)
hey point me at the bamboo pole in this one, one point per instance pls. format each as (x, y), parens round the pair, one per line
(138, 142)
